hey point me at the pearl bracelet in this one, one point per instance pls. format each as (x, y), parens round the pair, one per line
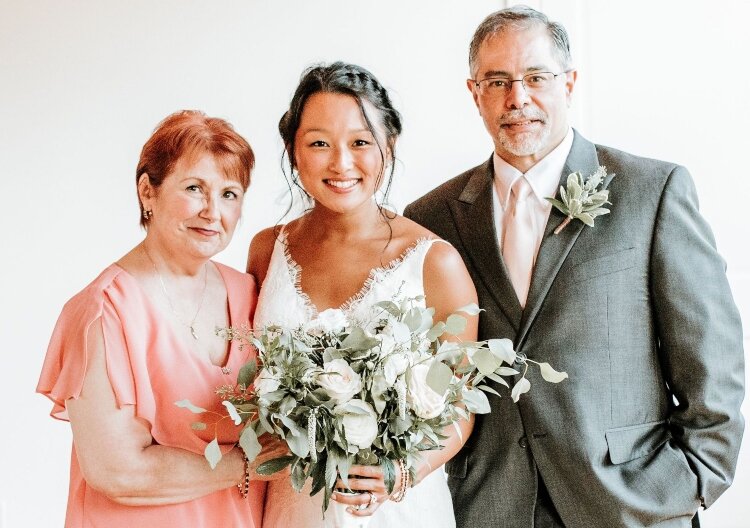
(405, 482)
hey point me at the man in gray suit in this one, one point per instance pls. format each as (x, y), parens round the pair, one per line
(636, 308)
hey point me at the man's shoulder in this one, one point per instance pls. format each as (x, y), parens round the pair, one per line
(634, 166)
(449, 190)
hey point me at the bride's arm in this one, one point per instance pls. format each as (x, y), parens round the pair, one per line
(447, 287)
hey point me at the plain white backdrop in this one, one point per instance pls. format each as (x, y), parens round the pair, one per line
(83, 83)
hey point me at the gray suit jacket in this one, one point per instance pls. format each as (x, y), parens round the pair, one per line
(638, 311)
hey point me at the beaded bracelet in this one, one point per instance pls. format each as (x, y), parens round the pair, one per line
(405, 482)
(244, 485)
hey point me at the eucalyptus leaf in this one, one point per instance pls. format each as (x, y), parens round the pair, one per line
(486, 361)
(413, 319)
(212, 452)
(550, 374)
(401, 332)
(233, 414)
(439, 377)
(487, 388)
(519, 388)
(502, 349)
(185, 404)
(249, 443)
(358, 341)
(455, 324)
(436, 331)
(470, 309)
(476, 401)
(506, 371)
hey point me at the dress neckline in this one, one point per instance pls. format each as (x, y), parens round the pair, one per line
(295, 273)
(226, 368)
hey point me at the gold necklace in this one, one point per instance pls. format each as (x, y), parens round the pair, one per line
(191, 324)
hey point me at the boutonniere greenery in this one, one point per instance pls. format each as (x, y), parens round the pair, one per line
(582, 200)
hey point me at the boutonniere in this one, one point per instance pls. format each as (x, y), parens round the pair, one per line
(582, 200)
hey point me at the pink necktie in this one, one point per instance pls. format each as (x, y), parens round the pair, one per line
(518, 246)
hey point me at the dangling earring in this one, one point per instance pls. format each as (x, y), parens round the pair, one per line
(147, 214)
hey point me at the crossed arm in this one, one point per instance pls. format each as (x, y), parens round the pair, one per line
(118, 456)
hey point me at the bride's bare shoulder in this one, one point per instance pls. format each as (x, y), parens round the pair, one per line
(260, 251)
(410, 230)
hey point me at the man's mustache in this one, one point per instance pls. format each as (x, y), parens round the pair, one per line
(515, 116)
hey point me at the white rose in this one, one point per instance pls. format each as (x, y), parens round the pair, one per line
(360, 428)
(266, 382)
(426, 402)
(339, 380)
(395, 365)
(329, 321)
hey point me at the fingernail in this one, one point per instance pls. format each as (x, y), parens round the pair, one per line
(350, 510)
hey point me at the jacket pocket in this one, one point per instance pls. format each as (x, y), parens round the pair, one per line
(634, 441)
(456, 467)
(596, 267)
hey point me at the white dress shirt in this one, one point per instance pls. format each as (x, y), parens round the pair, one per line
(544, 179)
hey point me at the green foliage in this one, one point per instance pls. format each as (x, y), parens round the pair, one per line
(399, 386)
(582, 200)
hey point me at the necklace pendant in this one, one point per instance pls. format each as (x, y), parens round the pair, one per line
(192, 332)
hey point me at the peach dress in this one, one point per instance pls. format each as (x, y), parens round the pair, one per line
(148, 368)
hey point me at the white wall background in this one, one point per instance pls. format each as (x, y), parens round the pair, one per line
(82, 84)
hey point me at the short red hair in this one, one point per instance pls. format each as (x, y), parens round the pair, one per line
(190, 134)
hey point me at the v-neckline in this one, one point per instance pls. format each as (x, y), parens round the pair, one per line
(295, 274)
(226, 368)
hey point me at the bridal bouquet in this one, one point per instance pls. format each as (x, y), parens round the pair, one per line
(343, 392)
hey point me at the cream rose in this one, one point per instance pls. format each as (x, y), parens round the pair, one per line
(360, 428)
(329, 321)
(426, 402)
(340, 382)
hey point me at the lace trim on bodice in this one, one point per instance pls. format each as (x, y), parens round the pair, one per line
(282, 300)
(376, 275)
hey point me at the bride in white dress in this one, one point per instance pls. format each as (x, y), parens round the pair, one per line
(346, 253)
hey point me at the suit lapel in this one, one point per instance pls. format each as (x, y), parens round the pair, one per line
(555, 248)
(473, 215)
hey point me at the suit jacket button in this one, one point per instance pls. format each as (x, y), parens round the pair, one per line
(523, 442)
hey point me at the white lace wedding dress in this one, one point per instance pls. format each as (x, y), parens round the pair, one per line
(282, 302)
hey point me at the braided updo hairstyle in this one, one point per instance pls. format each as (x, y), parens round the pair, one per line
(357, 82)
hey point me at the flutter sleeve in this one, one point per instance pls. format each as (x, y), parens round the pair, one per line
(67, 355)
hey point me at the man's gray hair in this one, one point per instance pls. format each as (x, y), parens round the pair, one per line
(515, 18)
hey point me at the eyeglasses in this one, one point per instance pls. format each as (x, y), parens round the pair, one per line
(532, 82)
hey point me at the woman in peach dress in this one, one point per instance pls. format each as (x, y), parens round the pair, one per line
(141, 336)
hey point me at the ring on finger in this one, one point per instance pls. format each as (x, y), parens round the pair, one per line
(361, 507)
(373, 499)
